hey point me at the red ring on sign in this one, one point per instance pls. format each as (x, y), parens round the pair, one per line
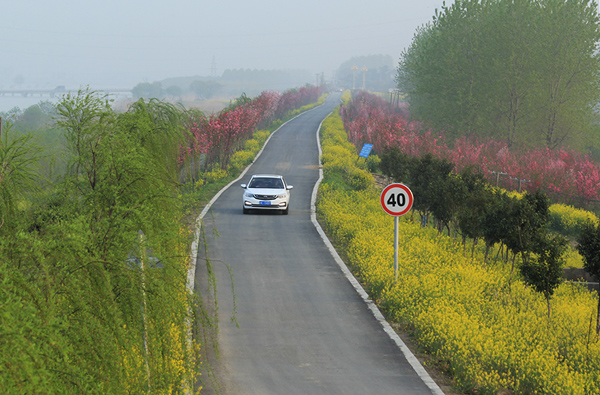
(408, 205)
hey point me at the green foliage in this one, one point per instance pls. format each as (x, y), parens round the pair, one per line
(589, 247)
(17, 176)
(373, 161)
(96, 265)
(425, 173)
(396, 165)
(358, 179)
(147, 90)
(544, 271)
(525, 72)
(486, 325)
(475, 203)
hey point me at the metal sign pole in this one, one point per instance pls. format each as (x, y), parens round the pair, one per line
(396, 200)
(396, 248)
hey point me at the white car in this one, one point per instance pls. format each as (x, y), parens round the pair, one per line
(266, 192)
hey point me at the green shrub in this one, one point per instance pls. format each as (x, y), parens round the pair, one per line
(358, 179)
(491, 330)
(372, 163)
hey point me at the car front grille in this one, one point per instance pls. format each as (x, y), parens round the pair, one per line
(265, 197)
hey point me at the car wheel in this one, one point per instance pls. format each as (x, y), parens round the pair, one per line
(286, 211)
(245, 210)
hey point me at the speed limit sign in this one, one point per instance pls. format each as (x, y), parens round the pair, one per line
(396, 199)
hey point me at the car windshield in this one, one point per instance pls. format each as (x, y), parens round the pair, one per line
(266, 183)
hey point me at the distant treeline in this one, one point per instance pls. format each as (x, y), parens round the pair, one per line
(231, 84)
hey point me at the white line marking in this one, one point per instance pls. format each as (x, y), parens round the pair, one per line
(410, 357)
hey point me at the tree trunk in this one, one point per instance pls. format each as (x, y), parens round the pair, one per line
(512, 268)
(487, 252)
(499, 252)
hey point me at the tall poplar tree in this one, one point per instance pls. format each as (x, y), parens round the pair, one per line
(522, 71)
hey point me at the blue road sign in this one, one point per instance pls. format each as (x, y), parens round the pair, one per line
(365, 151)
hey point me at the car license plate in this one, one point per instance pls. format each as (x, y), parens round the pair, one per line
(264, 203)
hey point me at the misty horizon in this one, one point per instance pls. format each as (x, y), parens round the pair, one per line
(120, 44)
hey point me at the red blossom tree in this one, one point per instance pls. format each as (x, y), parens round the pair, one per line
(572, 176)
(220, 135)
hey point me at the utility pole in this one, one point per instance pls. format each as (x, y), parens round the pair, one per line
(364, 70)
(354, 68)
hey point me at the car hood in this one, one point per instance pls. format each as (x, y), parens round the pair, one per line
(265, 191)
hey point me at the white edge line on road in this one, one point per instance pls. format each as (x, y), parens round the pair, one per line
(194, 248)
(410, 357)
(191, 274)
(412, 360)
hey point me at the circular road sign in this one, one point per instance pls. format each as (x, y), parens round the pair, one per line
(396, 199)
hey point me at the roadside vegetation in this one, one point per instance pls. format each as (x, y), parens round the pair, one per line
(96, 220)
(480, 285)
(522, 72)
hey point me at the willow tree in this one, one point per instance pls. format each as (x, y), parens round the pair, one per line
(523, 71)
(17, 175)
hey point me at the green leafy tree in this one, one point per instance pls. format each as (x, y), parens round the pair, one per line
(395, 164)
(496, 221)
(446, 203)
(527, 222)
(148, 90)
(425, 173)
(77, 276)
(174, 91)
(589, 247)
(521, 71)
(17, 175)
(205, 89)
(475, 202)
(544, 271)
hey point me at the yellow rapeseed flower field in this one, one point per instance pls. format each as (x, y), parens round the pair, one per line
(484, 323)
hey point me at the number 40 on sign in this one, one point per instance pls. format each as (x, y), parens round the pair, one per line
(396, 199)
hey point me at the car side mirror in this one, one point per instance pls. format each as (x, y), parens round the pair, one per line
(243, 186)
(289, 187)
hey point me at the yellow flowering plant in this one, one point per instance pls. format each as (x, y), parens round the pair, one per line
(490, 329)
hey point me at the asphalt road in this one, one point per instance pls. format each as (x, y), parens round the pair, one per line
(303, 328)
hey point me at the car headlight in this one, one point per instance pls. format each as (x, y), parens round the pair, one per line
(248, 194)
(282, 195)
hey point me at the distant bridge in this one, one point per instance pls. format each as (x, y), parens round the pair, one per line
(59, 91)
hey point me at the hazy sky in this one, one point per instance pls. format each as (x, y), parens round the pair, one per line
(119, 43)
